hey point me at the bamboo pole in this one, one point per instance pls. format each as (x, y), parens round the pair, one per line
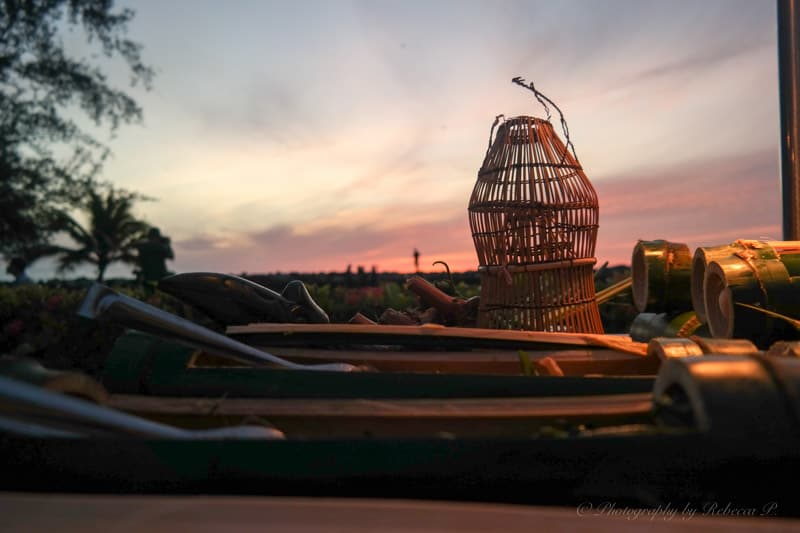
(614, 290)
(787, 251)
(754, 276)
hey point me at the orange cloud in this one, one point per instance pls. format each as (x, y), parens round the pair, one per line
(282, 248)
(703, 203)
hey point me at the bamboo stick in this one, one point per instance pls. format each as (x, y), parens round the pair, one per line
(610, 292)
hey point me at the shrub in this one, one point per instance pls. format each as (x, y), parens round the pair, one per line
(41, 322)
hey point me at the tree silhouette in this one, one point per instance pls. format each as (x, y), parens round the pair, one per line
(46, 158)
(112, 234)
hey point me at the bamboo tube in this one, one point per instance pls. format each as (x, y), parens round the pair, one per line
(733, 397)
(666, 348)
(753, 276)
(661, 273)
(787, 251)
(725, 346)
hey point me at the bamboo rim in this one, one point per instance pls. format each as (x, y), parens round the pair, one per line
(703, 256)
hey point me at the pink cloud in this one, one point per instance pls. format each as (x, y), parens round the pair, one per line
(704, 203)
(281, 248)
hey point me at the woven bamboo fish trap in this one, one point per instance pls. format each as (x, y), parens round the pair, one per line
(534, 216)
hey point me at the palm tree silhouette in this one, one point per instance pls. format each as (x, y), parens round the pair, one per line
(111, 235)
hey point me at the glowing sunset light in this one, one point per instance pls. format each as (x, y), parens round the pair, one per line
(312, 136)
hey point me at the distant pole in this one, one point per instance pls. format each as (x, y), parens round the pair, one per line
(789, 76)
(416, 260)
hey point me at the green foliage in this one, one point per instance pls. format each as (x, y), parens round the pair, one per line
(467, 290)
(46, 158)
(42, 322)
(341, 303)
(397, 297)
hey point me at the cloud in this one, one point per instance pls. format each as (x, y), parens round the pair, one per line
(301, 136)
(260, 108)
(685, 188)
(699, 61)
(333, 247)
(702, 203)
(195, 244)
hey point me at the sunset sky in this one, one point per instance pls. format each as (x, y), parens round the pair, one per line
(306, 136)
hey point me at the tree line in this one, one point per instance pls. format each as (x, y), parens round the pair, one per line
(50, 166)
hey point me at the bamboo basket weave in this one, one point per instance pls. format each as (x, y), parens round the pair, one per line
(534, 216)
